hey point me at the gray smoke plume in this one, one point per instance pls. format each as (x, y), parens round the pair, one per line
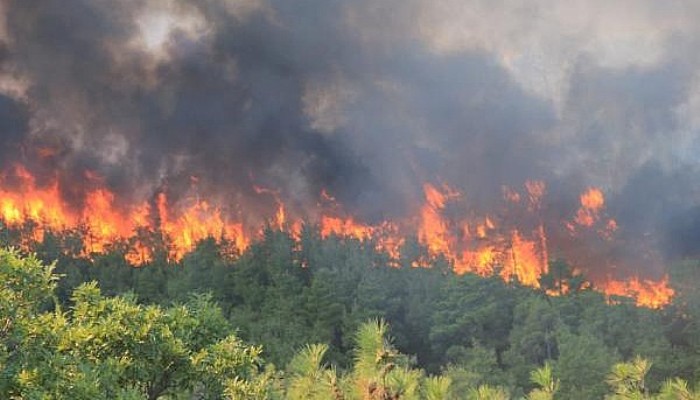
(366, 100)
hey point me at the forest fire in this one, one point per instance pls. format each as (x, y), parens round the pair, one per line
(485, 245)
(421, 144)
(647, 293)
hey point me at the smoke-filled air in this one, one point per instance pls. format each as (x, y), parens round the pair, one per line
(500, 135)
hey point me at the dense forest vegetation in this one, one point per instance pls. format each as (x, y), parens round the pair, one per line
(324, 318)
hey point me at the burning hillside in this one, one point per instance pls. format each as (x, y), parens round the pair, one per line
(500, 146)
(512, 242)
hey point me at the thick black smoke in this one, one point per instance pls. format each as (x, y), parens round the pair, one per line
(236, 104)
(366, 101)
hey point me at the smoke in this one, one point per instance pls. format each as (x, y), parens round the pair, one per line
(361, 99)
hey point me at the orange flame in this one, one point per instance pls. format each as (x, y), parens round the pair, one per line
(592, 201)
(106, 223)
(197, 222)
(489, 250)
(646, 293)
(432, 231)
(344, 227)
(512, 243)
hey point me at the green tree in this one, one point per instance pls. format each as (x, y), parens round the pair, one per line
(436, 388)
(547, 385)
(533, 338)
(114, 348)
(309, 378)
(627, 380)
(677, 389)
(582, 364)
(380, 371)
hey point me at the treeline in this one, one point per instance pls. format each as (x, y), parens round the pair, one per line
(475, 333)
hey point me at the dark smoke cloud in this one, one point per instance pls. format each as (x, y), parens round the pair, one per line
(230, 105)
(14, 122)
(364, 100)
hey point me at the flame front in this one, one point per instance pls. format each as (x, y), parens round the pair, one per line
(513, 243)
(483, 247)
(107, 223)
(647, 293)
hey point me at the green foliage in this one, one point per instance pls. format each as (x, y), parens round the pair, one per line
(375, 360)
(308, 377)
(582, 365)
(486, 392)
(470, 309)
(107, 348)
(627, 380)
(178, 329)
(436, 388)
(473, 366)
(229, 366)
(25, 287)
(547, 385)
(379, 372)
(533, 339)
(677, 389)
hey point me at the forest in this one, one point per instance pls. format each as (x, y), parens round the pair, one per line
(349, 199)
(325, 318)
